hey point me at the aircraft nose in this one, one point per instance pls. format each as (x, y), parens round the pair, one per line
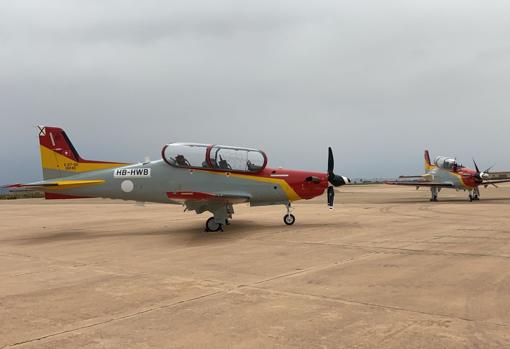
(338, 181)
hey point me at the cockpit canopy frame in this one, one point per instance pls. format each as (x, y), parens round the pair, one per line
(447, 163)
(214, 157)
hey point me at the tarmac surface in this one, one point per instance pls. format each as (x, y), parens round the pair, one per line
(385, 269)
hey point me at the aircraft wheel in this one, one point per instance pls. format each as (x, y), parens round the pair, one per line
(211, 225)
(289, 219)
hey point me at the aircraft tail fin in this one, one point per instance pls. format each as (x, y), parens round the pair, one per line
(59, 157)
(428, 164)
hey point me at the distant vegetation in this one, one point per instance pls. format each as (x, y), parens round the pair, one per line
(361, 181)
(21, 195)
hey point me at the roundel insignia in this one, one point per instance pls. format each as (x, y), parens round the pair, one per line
(127, 186)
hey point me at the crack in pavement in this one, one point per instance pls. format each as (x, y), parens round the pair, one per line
(123, 317)
(221, 291)
(376, 305)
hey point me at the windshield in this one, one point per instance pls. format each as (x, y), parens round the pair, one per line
(185, 155)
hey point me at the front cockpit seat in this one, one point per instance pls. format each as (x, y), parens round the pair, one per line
(181, 161)
(223, 164)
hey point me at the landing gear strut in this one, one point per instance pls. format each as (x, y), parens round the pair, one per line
(289, 218)
(434, 192)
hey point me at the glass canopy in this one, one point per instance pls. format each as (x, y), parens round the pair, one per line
(447, 163)
(216, 157)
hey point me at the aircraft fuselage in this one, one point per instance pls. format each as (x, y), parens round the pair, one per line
(157, 181)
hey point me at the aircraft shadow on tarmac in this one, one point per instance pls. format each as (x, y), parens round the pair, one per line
(240, 229)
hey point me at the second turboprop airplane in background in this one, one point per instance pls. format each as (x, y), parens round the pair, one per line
(200, 177)
(446, 172)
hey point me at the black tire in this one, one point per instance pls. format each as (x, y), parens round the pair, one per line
(211, 225)
(289, 219)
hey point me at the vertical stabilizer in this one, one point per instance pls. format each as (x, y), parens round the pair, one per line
(59, 157)
(428, 164)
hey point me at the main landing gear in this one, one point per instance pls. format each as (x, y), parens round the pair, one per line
(222, 216)
(211, 225)
(289, 218)
(434, 192)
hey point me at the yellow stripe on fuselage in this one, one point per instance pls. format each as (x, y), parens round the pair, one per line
(291, 193)
(52, 160)
(461, 179)
(459, 176)
(430, 167)
(74, 183)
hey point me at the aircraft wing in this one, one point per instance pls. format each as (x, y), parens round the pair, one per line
(53, 185)
(193, 196)
(201, 201)
(421, 184)
(488, 182)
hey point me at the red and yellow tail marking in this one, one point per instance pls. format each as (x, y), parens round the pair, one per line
(52, 160)
(428, 165)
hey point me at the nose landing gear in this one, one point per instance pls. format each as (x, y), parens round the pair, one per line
(289, 218)
(474, 197)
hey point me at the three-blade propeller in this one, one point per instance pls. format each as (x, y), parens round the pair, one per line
(334, 180)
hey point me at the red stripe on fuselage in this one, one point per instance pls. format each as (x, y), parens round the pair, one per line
(53, 196)
(467, 176)
(190, 195)
(296, 179)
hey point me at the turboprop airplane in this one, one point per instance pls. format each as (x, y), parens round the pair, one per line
(200, 177)
(446, 172)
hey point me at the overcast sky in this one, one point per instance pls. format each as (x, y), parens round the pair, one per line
(379, 81)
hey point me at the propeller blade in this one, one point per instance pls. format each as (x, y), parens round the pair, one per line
(331, 161)
(476, 166)
(331, 197)
(488, 170)
(332, 177)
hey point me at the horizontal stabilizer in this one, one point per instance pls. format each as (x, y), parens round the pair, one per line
(54, 185)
